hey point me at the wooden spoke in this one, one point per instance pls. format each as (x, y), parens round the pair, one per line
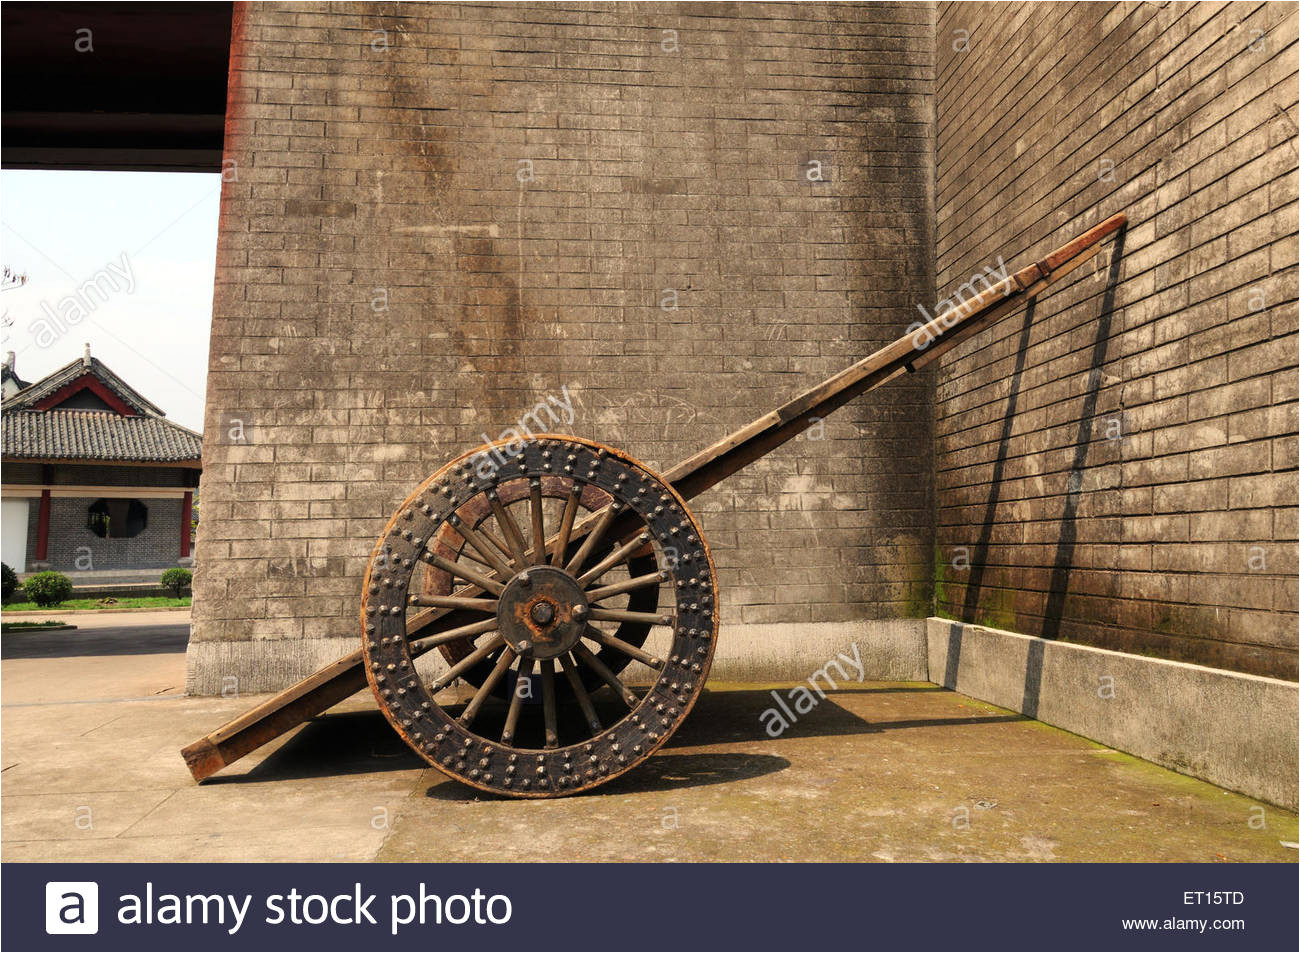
(471, 710)
(423, 623)
(517, 702)
(464, 572)
(539, 528)
(602, 523)
(465, 664)
(454, 602)
(566, 524)
(619, 554)
(548, 702)
(417, 622)
(502, 547)
(474, 539)
(622, 615)
(584, 700)
(627, 585)
(586, 656)
(614, 642)
(511, 529)
(468, 553)
(451, 635)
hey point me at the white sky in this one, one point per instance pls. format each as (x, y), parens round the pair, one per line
(64, 228)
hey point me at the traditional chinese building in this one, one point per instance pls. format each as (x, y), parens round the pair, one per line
(96, 478)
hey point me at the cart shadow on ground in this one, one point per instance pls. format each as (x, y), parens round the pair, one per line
(362, 742)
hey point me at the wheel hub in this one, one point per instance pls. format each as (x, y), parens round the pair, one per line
(542, 612)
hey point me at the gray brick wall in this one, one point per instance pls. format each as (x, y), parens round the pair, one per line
(438, 215)
(392, 284)
(74, 547)
(1174, 415)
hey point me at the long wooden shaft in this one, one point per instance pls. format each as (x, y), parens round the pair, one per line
(714, 464)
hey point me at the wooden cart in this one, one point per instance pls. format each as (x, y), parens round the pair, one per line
(542, 569)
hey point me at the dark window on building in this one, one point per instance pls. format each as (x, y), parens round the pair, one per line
(117, 519)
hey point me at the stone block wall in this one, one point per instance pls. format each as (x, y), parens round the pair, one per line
(659, 220)
(1121, 470)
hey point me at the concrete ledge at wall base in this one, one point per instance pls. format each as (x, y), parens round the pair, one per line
(1236, 731)
(257, 666)
(153, 590)
(888, 650)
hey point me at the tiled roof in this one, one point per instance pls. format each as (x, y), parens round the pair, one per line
(6, 374)
(50, 384)
(96, 435)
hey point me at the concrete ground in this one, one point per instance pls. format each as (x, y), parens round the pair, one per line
(93, 721)
(109, 656)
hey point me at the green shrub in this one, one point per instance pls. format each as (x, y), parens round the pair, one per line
(10, 581)
(48, 588)
(177, 580)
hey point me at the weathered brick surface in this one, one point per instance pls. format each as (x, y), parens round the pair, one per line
(74, 547)
(392, 284)
(1127, 481)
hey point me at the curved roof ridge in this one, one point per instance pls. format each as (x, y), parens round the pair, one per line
(53, 382)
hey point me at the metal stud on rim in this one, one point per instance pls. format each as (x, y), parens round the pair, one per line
(534, 600)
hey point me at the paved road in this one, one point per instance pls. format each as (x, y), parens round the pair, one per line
(108, 656)
(119, 633)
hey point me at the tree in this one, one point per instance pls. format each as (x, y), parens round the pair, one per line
(9, 282)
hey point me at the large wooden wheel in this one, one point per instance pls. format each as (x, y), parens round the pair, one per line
(542, 571)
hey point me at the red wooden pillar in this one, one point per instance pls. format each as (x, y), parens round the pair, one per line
(43, 528)
(187, 510)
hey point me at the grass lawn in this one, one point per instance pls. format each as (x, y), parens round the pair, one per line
(126, 602)
(21, 626)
